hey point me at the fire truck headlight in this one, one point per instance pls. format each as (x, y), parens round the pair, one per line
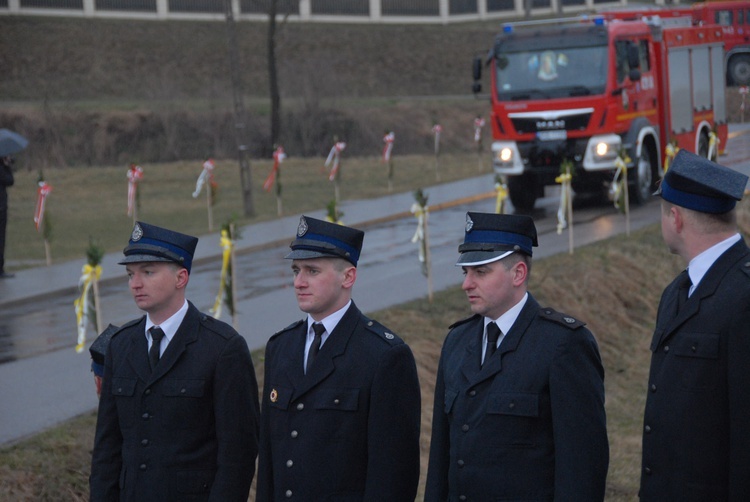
(602, 149)
(505, 154)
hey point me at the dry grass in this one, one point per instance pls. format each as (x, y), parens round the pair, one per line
(613, 285)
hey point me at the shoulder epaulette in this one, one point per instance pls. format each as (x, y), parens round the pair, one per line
(746, 268)
(381, 331)
(127, 325)
(291, 326)
(560, 318)
(462, 321)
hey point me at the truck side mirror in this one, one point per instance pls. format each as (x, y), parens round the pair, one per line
(477, 69)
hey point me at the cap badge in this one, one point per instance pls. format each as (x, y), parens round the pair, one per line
(137, 233)
(274, 396)
(469, 223)
(302, 228)
(390, 336)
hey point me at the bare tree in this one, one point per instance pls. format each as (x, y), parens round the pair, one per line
(273, 75)
(240, 118)
(273, 78)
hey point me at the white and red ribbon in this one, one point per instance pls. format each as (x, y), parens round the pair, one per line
(478, 126)
(278, 158)
(436, 130)
(41, 198)
(334, 159)
(135, 175)
(388, 139)
(207, 175)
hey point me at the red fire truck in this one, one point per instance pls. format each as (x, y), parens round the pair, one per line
(586, 90)
(732, 15)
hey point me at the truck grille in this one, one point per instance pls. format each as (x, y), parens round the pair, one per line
(527, 123)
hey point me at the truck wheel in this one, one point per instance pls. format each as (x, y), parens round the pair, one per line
(739, 69)
(522, 191)
(644, 178)
(703, 146)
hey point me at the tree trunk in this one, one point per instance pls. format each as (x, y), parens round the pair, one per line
(239, 114)
(273, 81)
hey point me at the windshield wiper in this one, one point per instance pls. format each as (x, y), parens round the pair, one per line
(579, 90)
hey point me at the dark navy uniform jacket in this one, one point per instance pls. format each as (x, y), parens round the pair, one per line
(527, 425)
(349, 429)
(696, 435)
(186, 432)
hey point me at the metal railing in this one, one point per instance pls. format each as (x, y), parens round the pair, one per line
(362, 11)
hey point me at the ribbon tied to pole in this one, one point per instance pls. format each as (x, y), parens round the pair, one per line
(620, 181)
(669, 153)
(278, 157)
(388, 139)
(89, 274)
(562, 220)
(206, 175)
(502, 194)
(713, 145)
(42, 192)
(226, 245)
(135, 175)
(420, 212)
(334, 159)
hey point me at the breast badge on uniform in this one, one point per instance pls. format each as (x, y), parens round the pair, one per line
(274, 395)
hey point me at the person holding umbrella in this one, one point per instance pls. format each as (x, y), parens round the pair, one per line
(10, 143)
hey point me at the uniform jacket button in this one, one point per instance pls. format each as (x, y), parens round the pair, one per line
(289, 463)
(300, 406)
(294, 434)
(288, 494)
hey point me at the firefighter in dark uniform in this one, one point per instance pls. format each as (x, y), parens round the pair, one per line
(178, 412)
(519, 398)
(341, 401)
(696, 431)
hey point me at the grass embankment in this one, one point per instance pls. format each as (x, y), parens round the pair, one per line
(614, 285)
(92, 202)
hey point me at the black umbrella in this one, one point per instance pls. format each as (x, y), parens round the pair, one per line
(11, 142)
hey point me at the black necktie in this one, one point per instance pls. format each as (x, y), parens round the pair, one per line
(319, 329)
(153, 354)
(493, 333)
(684, 283)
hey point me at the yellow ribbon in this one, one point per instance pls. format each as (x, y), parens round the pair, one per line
(670, 152)
(502, 194)
(226, 245)
(564, 180)
(617, 183)
(89, 274)
(713, 144)
(420, 212)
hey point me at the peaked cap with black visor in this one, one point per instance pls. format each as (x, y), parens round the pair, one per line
(696, 183)
(491, 237)
(149, 243)
(323, 239)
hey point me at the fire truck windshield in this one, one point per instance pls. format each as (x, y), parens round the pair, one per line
(550, 72)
